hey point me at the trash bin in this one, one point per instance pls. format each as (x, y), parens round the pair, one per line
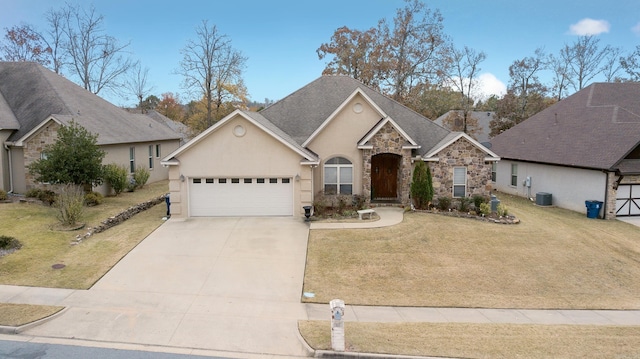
(593, 208)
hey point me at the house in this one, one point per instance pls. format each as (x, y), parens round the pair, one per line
(35, 102)
(584, 147)
(334, 136)
(479, 130)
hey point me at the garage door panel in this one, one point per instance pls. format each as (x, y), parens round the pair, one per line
(628, 200)
(241, 198)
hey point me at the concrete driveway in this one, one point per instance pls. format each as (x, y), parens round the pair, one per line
(228, 284)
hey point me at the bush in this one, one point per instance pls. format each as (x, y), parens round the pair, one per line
(359, 201)
(3, 195)
(444, 203)
(485, 208)
(8, 243)
(93, 199)
(70, 205)
(116, 176)
(46, 196)
(319, 204)
(502, 210)
(464, 204)
(141, 176)
(342, 203)
(478, 200)
(422, 186)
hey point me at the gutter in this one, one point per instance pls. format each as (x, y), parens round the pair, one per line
(6, 147)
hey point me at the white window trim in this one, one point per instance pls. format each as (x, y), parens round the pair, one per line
(514, 174)
(158, 151)
(132, 159)
(453, 188)
(338, 167)
(151, 157)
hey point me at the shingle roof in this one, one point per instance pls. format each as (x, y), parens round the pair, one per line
(302, 112)
(34, 94)
(594, 128)
(484, 119)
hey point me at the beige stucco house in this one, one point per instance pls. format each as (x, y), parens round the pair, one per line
(335, 136)
(35, 102)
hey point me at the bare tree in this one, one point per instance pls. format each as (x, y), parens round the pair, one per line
(23, 43)
(525, 81)
(98, 60)
(138, 85)
(55, 37)
(415, 48)
(611, 64)
(462, 75)
(631, 64)
(587, 60)
(213, 68)
(560, 67)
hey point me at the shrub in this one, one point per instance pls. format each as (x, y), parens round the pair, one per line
(464, 204)
(319, 204)
(485, 208)
(502, 210)
(3, 195)
(116, 176)
(478, 200)
(46, 196)
(359, 201)
(422, 186)
(93, 199)
(8, 243)
(444, 203)
(342, 203)
(141, 176)
(70, 205)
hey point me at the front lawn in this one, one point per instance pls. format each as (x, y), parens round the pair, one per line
(43, 246)
(554, 258)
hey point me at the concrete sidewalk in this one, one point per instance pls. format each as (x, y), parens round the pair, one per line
(389, 216)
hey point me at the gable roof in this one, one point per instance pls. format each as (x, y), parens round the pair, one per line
(484, 119)
(259, 121)
(453, 137)
(35, 94)
(301, 113)
(410, 142)
(594, 128)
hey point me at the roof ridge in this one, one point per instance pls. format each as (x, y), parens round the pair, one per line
(41, 70)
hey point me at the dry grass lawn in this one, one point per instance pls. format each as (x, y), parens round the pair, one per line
(460, 340)
(33, 224)
(554, 258)
(15, 315)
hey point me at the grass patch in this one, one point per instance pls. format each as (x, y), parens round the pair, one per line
(15, 315)
(554, 258)
(460, 340)
(86, 262)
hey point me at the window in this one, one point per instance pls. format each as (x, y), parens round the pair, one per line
(514, 175)
(197, 180)
(273, 180)
(494, 171)
(150, 157)
(235, 180)
(222, 180)
(260, 180)
(247, 180)
(132, 159)
(459, 182)
(158, 151)
(338, 176)
(208, 180)
(286, 180)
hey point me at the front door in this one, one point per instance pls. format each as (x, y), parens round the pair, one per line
(384, 176)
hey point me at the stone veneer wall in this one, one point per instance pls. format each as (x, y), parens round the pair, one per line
(461, 153)
(388, 140)
(34, 147)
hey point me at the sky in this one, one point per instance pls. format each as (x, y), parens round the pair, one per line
(280, 37)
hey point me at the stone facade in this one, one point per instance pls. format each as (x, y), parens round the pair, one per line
(33, 149)
(461, 153)
(388, 140)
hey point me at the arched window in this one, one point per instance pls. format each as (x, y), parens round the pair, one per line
(338, 176)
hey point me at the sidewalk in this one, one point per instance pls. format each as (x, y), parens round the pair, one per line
(389, 216)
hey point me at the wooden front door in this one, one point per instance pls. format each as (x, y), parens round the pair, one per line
(384, 176)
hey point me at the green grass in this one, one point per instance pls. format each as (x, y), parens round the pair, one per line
(43, 246)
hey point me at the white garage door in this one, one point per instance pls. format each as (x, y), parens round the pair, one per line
(628, 200)
(237, 197)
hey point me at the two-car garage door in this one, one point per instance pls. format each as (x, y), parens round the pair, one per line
(234, 197)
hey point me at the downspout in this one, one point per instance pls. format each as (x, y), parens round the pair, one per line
(10, 167)
(606, 194)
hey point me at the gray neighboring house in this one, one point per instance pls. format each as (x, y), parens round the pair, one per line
(585, 147)
(35, 102)
(455, 124)
(334, 136)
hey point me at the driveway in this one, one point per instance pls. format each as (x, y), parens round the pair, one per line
(228, 284)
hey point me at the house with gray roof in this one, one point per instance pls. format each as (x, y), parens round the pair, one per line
(334, 136)
(35, 102)
(479, 128)
(583, 148)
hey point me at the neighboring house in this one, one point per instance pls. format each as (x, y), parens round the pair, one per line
(480, 130)
(35, 102)
(335, 136)
(584, 147)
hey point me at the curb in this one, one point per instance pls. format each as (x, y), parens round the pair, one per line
(17, 330)
(350, 355)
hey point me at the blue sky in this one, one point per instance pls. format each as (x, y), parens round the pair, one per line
(280, 37)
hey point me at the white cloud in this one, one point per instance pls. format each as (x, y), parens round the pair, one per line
(636, 29)
(589, 27)
(489, 85)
